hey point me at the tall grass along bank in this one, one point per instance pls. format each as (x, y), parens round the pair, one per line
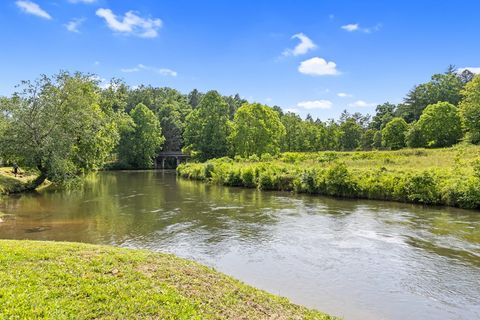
(448, 176)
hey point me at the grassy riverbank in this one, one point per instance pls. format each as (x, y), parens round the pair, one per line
(70, 280)
(11, 184)
(430, 176)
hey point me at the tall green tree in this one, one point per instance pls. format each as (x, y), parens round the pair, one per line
(444, 87)
(171, 108)
(142, 140)
(414, 137)
(194, 98)
(367, 140)
(351, 132)
(393, 135)
(257, 129)
(57, 126)
(294, 139)
(470, 110)
(383, 114)
(440, 125)
(207, 127)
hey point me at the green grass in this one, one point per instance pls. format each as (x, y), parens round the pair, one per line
(448, 176)
(54, 280)
(11, 184)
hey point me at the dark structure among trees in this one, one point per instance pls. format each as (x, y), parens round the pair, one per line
(162, 160)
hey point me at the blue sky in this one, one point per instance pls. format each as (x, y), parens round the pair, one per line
(317, 57)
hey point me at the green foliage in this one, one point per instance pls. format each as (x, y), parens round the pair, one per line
(414, 137)
(256, 129)
(393, 135)
(170, 106)
(368, 139)
(444, 87)
(470, 110)
(383, 114)
(207, 127)
(440, 125)
(57, 126)
(418, 176)
(377, 140)
(141, 139)
(350, 135)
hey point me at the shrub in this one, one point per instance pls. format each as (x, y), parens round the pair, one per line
(248, 177)
(339, 181)
(422, 188)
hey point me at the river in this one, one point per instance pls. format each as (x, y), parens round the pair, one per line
(352, 258)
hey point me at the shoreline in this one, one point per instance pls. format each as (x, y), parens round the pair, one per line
(42, 278)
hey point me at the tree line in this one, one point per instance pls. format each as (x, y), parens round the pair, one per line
(67, 125)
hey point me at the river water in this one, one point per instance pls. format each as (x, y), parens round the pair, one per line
(352, 258)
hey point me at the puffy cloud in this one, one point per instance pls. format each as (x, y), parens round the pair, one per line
(356, 27)
(318, 67)
(361, 104)
(305, 45)
(161, 71)
(343, 95)
(73, 25)
(33, 8)
(350, 27)
(131, 23)
(315, 104)
(475, 70)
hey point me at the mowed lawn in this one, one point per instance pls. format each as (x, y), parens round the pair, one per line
(55, 280)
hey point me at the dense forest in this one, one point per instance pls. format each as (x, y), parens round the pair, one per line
(67, 125)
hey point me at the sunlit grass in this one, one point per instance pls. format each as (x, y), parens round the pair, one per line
(79, 281)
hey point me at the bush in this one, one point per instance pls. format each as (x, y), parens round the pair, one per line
(339, 181)
(248, 177)
(422, 188)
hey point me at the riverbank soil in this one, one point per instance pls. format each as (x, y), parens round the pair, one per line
(69, 280)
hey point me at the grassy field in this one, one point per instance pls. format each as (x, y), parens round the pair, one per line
(448, 176)
(79, 281)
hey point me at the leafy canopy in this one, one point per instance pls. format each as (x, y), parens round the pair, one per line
(56, 125)
(142, 140)
(257, 129)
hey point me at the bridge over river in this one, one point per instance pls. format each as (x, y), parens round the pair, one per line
(162, 158)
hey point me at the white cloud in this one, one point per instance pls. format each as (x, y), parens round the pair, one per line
(343, 95)
(162, 71)
(315, 104)
(73, 25)
(318, 67)
(350, 27)
(356, 27)
(96, 63)
(361, 104)
(33, 8)
(82, 1)
(475, 70)
(131, 23)
(305, 45)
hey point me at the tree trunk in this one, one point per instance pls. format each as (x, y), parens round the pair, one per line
(37, 182)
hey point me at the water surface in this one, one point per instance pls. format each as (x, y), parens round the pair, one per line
(355, 259)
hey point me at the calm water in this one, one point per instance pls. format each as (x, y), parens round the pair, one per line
(356, 259)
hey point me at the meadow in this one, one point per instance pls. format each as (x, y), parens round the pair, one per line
(449, 176)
